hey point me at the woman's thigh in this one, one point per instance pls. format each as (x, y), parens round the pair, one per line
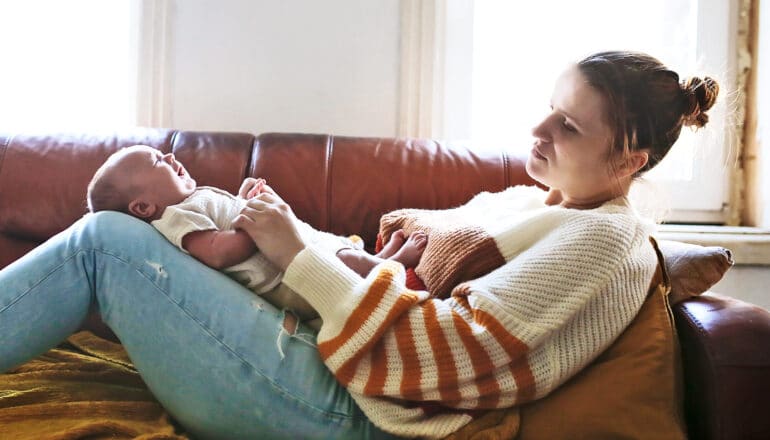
(213, 353)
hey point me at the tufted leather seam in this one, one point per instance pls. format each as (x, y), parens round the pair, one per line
(328, 171)
(3, 149)
(249, 168)
(173, 140)
(506, 171)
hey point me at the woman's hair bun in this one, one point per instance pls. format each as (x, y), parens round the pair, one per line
(700, 95)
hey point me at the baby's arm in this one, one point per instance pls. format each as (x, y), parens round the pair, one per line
(219, 249)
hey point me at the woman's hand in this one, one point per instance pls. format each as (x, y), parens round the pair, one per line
(269, 221)
(251, 187)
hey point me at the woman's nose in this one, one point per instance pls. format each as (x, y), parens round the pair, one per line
(540, 130)
(169, 157)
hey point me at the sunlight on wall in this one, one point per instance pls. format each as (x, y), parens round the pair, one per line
(66, 65)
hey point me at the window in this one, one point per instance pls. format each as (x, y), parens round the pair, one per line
(497, 62)
(67, 65)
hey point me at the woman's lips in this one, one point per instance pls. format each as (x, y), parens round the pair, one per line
(536, 153)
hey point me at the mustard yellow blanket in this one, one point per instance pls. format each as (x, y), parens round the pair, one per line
(86, 388)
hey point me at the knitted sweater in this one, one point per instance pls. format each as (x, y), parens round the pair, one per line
(419, 365)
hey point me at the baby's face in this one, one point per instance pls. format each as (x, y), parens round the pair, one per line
(159, 177)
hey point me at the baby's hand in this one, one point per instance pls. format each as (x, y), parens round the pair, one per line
(251, 187)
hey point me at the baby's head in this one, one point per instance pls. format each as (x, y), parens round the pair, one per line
(140, 181)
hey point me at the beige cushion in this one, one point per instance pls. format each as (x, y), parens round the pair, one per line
(693, 269)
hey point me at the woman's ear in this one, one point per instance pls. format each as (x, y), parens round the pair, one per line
(141, 209)
(633, 162)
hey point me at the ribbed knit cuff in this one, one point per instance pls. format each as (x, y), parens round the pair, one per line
(322, 279)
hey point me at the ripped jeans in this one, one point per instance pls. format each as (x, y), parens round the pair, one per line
(214, 354)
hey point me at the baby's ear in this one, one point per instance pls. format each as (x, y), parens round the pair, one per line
(141, 209)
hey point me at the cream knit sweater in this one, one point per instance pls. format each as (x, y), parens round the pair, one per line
(419, 365)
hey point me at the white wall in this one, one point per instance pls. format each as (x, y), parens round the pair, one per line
(747, 283)
(326, 66)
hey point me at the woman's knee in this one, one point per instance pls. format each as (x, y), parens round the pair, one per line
(105, 229)
(111, 222)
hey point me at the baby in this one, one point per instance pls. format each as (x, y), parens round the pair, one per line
(147, 184)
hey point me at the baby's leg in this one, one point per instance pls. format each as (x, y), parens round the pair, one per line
(397, 240)
(408, 254)
(361, 262)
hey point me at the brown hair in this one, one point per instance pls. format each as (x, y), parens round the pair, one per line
(647, 104)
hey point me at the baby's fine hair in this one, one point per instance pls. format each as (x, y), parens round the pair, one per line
(106, 192)
(646, 102)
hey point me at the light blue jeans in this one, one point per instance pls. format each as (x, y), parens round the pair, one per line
(212, 352)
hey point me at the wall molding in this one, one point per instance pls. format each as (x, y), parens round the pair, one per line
(153, 38)
(749, 245)
(421, 74)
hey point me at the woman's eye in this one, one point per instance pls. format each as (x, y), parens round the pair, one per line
(569, 127)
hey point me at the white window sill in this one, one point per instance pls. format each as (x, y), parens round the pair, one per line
(750, 246)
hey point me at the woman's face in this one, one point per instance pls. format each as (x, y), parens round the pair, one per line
(571, 152)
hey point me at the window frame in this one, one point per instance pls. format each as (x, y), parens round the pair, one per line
(436, 95)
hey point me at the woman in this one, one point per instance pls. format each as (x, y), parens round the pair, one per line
(575, 267)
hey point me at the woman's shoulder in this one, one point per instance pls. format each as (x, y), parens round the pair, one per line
(614, 223)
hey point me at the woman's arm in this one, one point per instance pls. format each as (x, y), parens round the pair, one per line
(495, 342)
(381, 339)
(219, 249)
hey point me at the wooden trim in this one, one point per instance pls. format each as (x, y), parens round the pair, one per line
(752, 211)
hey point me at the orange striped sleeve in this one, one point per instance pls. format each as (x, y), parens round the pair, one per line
(397, 320)
(517, 350)
(345, 373)
(442, 354)
(411, 373)
(370, 302)
(482, 364)
(375, 385)
(360, 314)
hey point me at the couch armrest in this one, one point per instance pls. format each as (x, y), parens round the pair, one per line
(725, 346)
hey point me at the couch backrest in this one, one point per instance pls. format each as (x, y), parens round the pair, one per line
(338, 184)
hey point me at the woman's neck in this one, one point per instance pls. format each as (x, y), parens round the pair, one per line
(557, 197)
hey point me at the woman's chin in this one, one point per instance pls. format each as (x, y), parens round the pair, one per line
(535, 170)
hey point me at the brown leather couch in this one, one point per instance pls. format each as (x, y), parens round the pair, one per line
(344, 185)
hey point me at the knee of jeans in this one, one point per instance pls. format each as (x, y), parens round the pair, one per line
(110, 224)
